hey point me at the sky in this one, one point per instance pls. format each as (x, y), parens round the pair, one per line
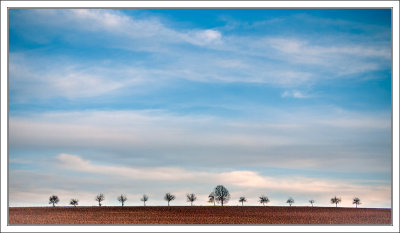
(276, 102)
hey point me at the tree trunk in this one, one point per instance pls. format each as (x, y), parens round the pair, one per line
(336, 204)
(191, 203)
(54, 205)
(242, 203)
(222, 202)
(356, 205)
(144, 203)
(168, 203)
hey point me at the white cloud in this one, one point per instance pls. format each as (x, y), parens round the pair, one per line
(123, 26)
(241, 179)
(294, 94)
(48, 77)
(307, 49)
(44, 78)
(289, 46)
(203, 37)
(101, 19)
(76, 163)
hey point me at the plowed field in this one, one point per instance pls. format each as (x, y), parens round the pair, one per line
(198, 215)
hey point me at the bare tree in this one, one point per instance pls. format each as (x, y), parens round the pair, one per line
(221, 194)
(263, 200)
(169, 197)
(312, 202)
(53, 199)
(290, 201)
(335, 200)
(144, 199)
(191, 198)
(99, 198)
(242, 199)
(356, 201)
(122, 198)
(211, 198)
(74, 202)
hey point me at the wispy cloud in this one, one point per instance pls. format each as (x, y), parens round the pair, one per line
(43, 79)
(307, 49)
(119, 24)
(165, 137)
(294, 94)
(153, 173)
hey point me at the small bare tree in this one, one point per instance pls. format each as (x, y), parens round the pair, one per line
(74, 202)
(312, 202)
(169, 197)
(53, 199)
(221, 194)
(191, 198)
(335, 200)
(290, 201)
(356, 201)
(242, 199)
(263, 200)
(144, 199)
(99, 198)
(122, 198)
(211, 198)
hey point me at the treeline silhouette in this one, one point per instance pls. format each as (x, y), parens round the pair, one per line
(220, 195)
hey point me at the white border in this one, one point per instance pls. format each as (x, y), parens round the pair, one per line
(205, 228)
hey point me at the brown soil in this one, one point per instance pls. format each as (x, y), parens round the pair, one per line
(198, 215)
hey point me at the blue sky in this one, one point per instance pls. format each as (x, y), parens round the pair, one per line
(281, 102)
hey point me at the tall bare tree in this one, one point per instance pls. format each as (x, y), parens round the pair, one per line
(191, 198)
(221, 194)
(263, 200)
(144, 199)
(99, 198)
(53, 199)
(356, 201)
(242, 199)
(290, 201)
(335, 200)
(122, 198)
(312, 202)
(169, 197)
(211, 198)
(74, 202)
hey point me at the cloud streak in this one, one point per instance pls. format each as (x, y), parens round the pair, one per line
(251, 181)
(161, 136)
